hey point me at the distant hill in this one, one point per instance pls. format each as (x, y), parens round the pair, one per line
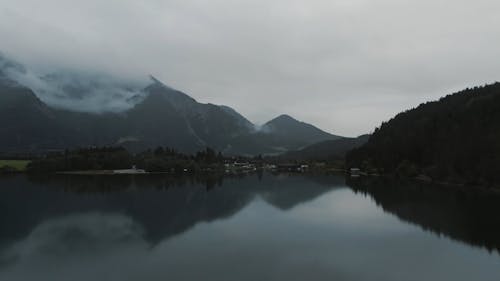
(455, 139)
(330, 150)
(154, 115)
(294, 131)
(280, 135)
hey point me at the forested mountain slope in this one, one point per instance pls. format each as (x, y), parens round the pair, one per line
(455, 139)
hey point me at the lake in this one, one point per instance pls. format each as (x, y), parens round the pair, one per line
(257, 227)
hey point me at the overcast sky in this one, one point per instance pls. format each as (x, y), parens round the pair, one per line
(343, 65)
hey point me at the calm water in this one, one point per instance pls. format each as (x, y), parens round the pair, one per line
(254, 228)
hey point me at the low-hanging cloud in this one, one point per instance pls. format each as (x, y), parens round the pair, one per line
(345, 65)
(77, 91)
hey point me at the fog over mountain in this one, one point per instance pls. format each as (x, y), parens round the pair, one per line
(77, 90)
(343, 65)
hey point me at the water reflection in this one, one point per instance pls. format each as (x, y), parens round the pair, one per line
(272, 227)
(462, 214)
(165, 206)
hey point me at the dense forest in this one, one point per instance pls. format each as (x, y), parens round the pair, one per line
(455, 140)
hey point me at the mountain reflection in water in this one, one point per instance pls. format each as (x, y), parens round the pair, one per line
(164, 206)
(258, 227)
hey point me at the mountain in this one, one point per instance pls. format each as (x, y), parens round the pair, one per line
(455, 139)
(280, 135)
(330, 150)
(171, 118)
(286, 127)
(151, 116)
(244, 122)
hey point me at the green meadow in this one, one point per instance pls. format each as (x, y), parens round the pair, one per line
(19, 165)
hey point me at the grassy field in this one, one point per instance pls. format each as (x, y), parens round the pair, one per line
(19, 165)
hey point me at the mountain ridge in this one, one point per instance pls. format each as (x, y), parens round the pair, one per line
(161, 116)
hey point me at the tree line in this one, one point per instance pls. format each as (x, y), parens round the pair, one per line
(160, 159)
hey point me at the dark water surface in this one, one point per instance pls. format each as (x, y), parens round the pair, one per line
(267, 227)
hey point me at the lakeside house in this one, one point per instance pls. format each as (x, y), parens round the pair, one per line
(355, 172)
(239, 167)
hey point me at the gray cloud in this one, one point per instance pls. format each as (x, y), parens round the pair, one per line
(344, 65)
